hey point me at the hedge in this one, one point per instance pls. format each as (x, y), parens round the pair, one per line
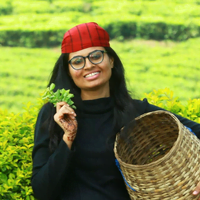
(29, 38)
(48, 34)
(165, 98)
(13, 7)
(45, 22)
(16, 142)
(184, 9)
(6, 8)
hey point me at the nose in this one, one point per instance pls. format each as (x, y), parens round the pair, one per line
(88, 64)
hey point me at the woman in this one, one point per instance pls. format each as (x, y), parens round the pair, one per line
(76, 161)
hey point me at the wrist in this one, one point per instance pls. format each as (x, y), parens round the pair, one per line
(68, 139)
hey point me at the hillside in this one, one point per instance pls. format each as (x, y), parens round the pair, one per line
(149, 65)
(158, 42)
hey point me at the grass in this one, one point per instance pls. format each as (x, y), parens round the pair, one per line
(148, 64)
(24, 74)
(155, 65)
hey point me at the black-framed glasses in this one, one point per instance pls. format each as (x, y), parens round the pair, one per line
(95, 57)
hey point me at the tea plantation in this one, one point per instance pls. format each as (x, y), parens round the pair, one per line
(158, 42)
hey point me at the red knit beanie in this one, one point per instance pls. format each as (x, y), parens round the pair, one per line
(83, 36)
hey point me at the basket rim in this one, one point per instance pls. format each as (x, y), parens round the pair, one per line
(171, 151)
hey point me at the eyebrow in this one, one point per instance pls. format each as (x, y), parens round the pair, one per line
(87, 54)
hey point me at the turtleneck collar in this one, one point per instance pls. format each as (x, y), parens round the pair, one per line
(96, 106)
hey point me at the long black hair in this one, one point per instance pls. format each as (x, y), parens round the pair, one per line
(123, 106)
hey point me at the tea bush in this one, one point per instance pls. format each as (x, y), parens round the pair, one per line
(164, 98)
(43, 23)
(44, 30)
(148, 65)
(16, 142)
(6, 7)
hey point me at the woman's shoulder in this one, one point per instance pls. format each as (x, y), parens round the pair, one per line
(140, 105)
(138, 102)
(143, 106)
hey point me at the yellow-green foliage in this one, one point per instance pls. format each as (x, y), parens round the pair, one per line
(164, 98)
(16, 142)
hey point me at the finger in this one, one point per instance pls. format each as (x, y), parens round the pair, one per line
(69, 109)
(61, 112)
(197, 189)
(59, 105)
(66, 107)
(64, 114)
(66, 110)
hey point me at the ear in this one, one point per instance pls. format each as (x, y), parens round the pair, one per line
(112, 62)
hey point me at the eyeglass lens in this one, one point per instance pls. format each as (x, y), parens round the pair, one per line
(95, 57)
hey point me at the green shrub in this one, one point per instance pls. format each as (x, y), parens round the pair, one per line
(16, 142)
(152, 27)
(47, 34)
(50, 6)
(44, 24)
(29, 38)
(6, 8)
(164, 98)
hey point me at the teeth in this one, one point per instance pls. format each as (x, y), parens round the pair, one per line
(92, 74)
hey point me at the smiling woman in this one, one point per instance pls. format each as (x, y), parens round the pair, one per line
(80, 163)
(93, 78)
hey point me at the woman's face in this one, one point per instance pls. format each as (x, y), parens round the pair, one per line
(93, 77)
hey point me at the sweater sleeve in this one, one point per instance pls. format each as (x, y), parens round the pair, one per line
(145, 107)
(49, 170)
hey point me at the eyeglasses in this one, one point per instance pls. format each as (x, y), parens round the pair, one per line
(95, 57)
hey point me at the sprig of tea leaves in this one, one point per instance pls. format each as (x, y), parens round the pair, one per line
(58, 96)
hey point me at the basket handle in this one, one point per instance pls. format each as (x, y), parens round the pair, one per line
(118, 166)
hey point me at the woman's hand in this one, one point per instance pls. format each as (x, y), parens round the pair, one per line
(65, 118)
(197, 190)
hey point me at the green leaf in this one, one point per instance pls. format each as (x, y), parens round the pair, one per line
(52, 86)
(58, 96)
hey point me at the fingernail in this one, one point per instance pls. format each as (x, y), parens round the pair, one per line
(195, 193)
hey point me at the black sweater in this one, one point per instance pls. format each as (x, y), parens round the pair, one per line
(88, 171)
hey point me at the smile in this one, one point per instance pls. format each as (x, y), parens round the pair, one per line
(92, 74)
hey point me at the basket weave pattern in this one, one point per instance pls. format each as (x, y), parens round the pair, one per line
(161, 159)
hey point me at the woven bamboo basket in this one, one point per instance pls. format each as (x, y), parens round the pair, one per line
(161, 159)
